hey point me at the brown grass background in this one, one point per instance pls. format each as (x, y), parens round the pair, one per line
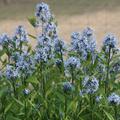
(72, 15)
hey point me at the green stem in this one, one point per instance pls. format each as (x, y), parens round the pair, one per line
(24, 83)
(63, 69)
(107, 76)
(115, 110)
(39, 76)
(25, 104)
(43, 80)
(80, 105)
(3, 109)
(72, 74)
(91, 105)
(8, 58)
(8, 53)
(21, 47)
(3, 115)
(65, 106)
(44, 89)
(14, 88)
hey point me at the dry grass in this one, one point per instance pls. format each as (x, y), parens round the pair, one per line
(71, 18)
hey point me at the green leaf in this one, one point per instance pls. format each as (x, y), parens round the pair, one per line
(38, 112)
(12, 118)
(32, 36)
(19, 102)
(33, 80)
(2, 52)
(8, 107)
(73, 105)
(32, 21)
(110, 117)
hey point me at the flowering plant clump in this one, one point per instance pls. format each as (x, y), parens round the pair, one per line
(55, 80)
(114, 99)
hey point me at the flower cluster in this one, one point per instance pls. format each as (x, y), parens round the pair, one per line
(114, 99)
(58, 62)
(76, 37)
(20, 35)
(43, 49)
(116, 68)
(15, 56)
(110, 41)
(4, 39)
(48, 41)
(45, 17)
(43, 12)
(42, 55)
(26, 91)
(25, 64)
(14, 43)
(89, 37)
(84, 42)
(51, 73)
(11, 73)
(72, 63)
(98, 99)
(101, 68)
(90, 85)
(59, 46)
(50, 29)
(44, 41)
(67, 87)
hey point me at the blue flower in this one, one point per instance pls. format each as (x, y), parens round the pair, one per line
(67, 87)
(110, 41)
(90, 85)
(82, 93)
(41, 55)
(44, 50)
(87, 32)
(43, 41)
(11, 72)
(26, 91)
(43, 12)
(76, 36)
(84, 43)
(98, 98)
(101, 68)
(25, 64)
(15, 56)
(72, 63)
(88, 36)
(4, 39)
(58, 62)
(114, 99)
(116, 68)
(20, 35)
(50, 28)
(59, 46)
